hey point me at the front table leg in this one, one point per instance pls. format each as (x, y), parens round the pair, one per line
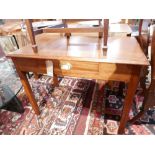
(28, 91)
(132, 86)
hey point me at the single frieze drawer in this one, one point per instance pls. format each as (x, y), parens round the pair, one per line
(78, 65)
(76, 69)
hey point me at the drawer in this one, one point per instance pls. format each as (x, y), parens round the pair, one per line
(81, 69)
(117, 72)
(76, 68)
(77, 65)
(61, 67)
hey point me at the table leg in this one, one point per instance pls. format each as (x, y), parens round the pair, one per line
(55, 80)
(132, 86)
(36, 76)
(28, 91)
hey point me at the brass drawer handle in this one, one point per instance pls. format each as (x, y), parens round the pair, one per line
(66, 66)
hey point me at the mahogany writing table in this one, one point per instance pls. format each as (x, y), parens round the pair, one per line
(83, 57)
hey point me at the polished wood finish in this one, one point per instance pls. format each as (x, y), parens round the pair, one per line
(83, 57)
(106, 27)
(28, 23)
(140, 26)
(66, 26)
(67, 31)
(82, 69)
(153, 56)
(73, 30)
(27, 87)
(120, 50)
(76, 22)
(132, 86)
(143, 39)
(100, 35)
(123, 28)
(55, 80)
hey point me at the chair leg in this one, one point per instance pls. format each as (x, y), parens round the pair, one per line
(145, 107)
(138, 116)
(149, 102)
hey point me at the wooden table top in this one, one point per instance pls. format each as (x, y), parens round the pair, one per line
(121, 50)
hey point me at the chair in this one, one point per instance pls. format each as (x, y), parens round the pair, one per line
(144, 39)
(149, 93)
(98, 23)
(67, 31)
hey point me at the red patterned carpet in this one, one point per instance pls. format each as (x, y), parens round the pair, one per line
(76, 107)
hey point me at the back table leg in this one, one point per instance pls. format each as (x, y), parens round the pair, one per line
(132, 86)
(55, 80)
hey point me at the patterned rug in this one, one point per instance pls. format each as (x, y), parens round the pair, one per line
(75, 107)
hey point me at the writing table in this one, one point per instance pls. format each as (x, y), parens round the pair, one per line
(83, 57)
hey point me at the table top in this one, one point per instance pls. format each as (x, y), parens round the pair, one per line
(121, 50)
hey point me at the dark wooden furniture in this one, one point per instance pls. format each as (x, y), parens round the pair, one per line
(149, 93)
(82, 56)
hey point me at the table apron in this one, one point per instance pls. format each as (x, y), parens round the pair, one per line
(81, 69)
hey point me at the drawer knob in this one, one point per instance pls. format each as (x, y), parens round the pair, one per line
(66, 66)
